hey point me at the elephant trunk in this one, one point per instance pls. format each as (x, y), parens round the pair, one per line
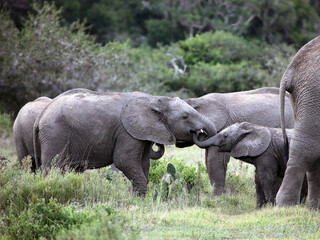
(210, 128)
(212, 141)
(157, 154)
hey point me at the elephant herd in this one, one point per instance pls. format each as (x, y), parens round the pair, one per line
(83, 129)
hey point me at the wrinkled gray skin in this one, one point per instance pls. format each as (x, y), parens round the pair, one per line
(260, 106)
(23, 127)
(23, 131)
(83, 129)
(260, 146)
(302, 80)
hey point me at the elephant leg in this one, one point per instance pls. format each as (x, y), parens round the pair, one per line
(267, 178)
(314, 187)
(127, 157)
(260, 195)
(216, 163)
(22, 150)
(290, 189)
(145, 160)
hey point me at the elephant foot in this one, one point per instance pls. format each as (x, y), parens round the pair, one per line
(314, 204)
(140, 190)
(283, 200)
(218, 191)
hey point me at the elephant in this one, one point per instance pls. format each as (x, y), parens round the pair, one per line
(23, 127)
(260, 146)
(302, 80)
(84, 129)
(259, 106)
(23, 131)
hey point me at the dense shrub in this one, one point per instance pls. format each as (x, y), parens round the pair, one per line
(223, 62)
(159, 32)
(41, 219)
(46, 58)
(219, 47)
(5, 125)
(205, 78)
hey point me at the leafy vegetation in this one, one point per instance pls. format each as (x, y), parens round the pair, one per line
(286, 21)
(47, 58)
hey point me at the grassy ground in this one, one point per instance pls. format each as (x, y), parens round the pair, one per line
(100, 205)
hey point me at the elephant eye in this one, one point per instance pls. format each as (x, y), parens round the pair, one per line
(225, 135)
(185, 115)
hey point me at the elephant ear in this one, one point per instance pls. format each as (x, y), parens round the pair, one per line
(254, 143)
(142, 118)
(213, 109)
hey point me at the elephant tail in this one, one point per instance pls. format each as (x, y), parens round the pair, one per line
(286, 150)
(286, 79)
(157, 154)
(36, 145)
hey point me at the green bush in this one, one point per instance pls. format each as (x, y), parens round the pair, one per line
(107, 224)
(189, 175)
(157, 170)
(47, 58)
(5, 125)
(218, 47)
(42, 219)
(205, 78)
(159, 32)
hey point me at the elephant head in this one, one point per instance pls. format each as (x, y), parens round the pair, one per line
(240, 139)
(164, 120)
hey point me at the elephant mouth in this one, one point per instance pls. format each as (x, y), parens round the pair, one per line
(201, 134)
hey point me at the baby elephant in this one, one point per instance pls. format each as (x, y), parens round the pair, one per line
(260, 146)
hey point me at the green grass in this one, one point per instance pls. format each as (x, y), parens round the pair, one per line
(94, 205)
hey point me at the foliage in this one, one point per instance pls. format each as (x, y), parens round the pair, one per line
(218, 47)
(5, 125)
(223, 62)
(241, 76)
(160, 32)
(41, 219)
(47, 59)
(106, 223)
(271, 21)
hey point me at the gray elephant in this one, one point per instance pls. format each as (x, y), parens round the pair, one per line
(23, 127)
(260, 146)
(260, 106)
(302, 80)
(83, 129)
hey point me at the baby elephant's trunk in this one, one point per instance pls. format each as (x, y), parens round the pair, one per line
(212, 141)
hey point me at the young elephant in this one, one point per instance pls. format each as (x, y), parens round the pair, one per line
(83, 129)
(260, 146)
(23, 127)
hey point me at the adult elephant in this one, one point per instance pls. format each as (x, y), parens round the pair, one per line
(259, 106)
(302, 80)
(83, 129)
(23, 127)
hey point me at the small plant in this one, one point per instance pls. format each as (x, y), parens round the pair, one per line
(26, 163)
(171, 169)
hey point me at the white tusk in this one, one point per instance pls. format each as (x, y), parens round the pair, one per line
(201, 130)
